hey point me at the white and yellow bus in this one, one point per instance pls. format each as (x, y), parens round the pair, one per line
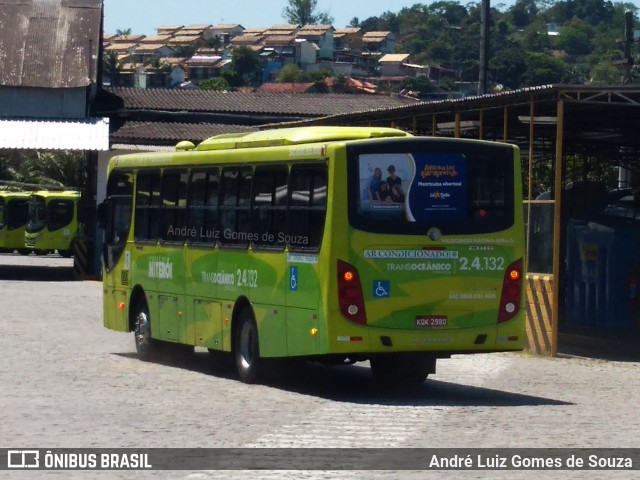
(337, 244)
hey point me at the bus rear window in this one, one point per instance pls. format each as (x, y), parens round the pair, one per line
(458, 190)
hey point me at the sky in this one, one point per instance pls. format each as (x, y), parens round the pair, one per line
(144, 16)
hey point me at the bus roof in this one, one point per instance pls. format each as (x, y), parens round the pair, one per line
(57, 193)
(297, 136)
(14, 194)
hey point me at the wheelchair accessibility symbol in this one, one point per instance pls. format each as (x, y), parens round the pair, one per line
(293, 279)
(381, 288)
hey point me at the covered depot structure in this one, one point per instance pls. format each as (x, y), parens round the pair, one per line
(48, 79)
(583, 247)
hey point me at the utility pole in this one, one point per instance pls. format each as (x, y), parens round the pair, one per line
(485, 21)
(628, 41)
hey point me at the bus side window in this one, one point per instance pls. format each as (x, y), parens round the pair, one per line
(307, 207)
(174, 205)
(269, 208)
(235, 202)
(147, 206)
(202, 214)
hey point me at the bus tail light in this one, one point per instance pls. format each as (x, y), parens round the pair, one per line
(350, 295)
(511, 295)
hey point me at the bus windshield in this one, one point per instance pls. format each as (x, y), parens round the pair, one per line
(37, 214)
(408, 191)
(17, 213)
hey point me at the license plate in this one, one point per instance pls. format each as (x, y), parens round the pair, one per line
(431, 321)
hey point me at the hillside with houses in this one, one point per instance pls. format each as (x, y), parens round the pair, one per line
(346, 59)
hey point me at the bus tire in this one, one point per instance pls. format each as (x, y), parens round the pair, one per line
(146, 347)
(247, 348)
(24, 251)
(401, 369)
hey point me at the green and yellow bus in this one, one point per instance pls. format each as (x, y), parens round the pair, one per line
(294, 243)
(53, 222)
(14, 208)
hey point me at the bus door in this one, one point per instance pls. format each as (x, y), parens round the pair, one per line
(167, 265)
(268, 274)
(202, 275)
(115, 215)
(305, 227)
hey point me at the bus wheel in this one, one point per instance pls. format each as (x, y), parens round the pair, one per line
(246, 348)
(24, 251)
(65, 253)
(147, 347)
(401, 369)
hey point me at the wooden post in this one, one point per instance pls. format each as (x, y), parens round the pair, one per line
(557, 233)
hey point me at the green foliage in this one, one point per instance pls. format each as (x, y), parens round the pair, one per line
(112, 67)
(575, 37)
(216, 43)
(216, 84)
(303, 12)
(522, 52)
(544, 69)
(290, 74)
(246, 66)
(420, 85)
(48, 169)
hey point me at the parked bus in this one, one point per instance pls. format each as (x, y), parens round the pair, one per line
(53, 222)
(293, 243)
(13, 219)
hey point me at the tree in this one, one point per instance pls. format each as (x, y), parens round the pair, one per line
(421, 85)
(575, 37)
(543, 69)
(186, 51)
(112, 66)
(49, 169)
(246, 64)
(292, 74)
(216, 84)
(302, 12)
(126, 31)
(523, 13)
(216, 43)
(508, 66)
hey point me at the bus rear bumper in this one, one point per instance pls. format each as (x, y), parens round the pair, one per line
(509, 336)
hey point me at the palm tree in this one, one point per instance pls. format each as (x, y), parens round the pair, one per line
(49, 169)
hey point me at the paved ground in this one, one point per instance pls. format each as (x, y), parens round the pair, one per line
(65, 381)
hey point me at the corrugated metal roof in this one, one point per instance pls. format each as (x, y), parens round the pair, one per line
(49, 43)
(91, 134)
(134, 132)
(298, 104)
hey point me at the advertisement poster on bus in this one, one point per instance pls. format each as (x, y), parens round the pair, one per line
(423, 188)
